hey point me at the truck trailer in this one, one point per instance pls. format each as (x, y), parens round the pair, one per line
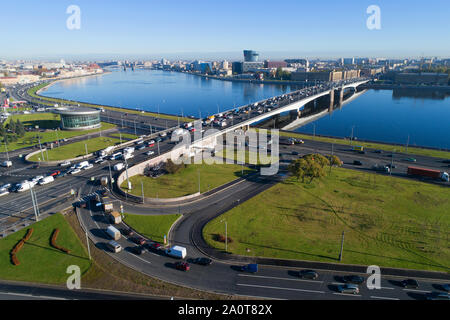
(113, 233)
(429, 173)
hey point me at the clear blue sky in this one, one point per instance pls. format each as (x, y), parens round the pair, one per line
(284, 28)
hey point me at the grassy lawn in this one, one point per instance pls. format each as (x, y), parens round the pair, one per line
(48, 121)
(185, 182)
(125, 136)
(51, 102)
(77, 149)
(387, 221)
(39, 261)
(152, 227)
(386, 147)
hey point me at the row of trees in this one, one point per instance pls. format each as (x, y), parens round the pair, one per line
(12, 131)
(312, 166)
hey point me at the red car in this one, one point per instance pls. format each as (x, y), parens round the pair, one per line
(183, 266)
(154, 246)
(55, 173)
(151, 145)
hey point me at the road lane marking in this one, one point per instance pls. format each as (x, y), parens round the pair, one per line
(342, 283)
(279, 288)
(33, 296)
(416, 290)
(384, 298)
(279, 278)
(347, 294)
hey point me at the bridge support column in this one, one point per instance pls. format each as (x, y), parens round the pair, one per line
(331, 98)
(341, 96)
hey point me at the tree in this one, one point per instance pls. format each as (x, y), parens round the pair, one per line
(310, 166)
(20, 129)
(296, 169)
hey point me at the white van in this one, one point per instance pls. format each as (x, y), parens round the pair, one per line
(176, 252)
(114, 246)
(46, 180)
(118, 167)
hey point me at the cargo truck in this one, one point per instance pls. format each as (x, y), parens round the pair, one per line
(113, 233)
(108, 207)
(430, 173)
(115, 217)
(176, 252)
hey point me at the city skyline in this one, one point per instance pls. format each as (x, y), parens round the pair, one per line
(177, 30)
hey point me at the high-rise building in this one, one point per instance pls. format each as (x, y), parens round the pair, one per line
(251, 56)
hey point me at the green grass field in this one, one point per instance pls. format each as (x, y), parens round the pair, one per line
(51, 102)
(76, 149)
(387, 221)
(48, 121)
(152, 227)
(381, 146)
(185, 182)
(39, 261)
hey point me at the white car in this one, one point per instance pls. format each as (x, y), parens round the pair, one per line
(76, 170)
(37, 178)
(3, 192)
(89, 166)
(149, 153)
(65, 164)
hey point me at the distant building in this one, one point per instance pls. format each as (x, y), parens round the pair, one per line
(251, 56)
(236, 67)
(348, 61)
(317, 76)
(248, 66)
(275, 64)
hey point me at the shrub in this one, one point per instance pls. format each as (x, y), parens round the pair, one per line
(221, 238)
(53, 242)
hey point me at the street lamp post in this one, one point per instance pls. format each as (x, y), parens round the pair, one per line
(226, 234)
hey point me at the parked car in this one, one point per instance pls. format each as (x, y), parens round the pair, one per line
(55, 173)
(127, 232)
(138, 240)
(410, 283)
(308, 274)
(348, 288)
(183, 266)
(65, 164)
(154, 246)
(353, 279)
(202, 261)
(137, 250)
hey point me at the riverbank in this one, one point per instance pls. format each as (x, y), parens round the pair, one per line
(34, 92)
